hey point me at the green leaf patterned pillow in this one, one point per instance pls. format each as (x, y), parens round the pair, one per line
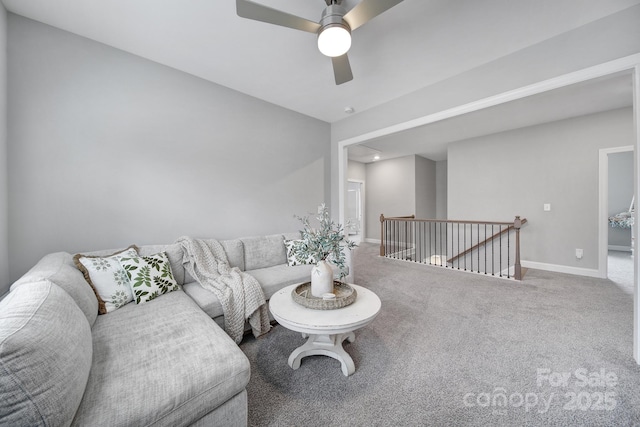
(293, 256)
(107, 278)
(149, 276)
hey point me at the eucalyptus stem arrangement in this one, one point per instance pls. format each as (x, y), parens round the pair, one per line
(324, 243)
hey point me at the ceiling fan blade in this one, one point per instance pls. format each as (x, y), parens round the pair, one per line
(250, 10)
(341, 69)
(366, 10)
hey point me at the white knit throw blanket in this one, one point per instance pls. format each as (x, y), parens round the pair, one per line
(239, 293)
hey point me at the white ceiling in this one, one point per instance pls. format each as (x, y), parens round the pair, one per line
(412, 45)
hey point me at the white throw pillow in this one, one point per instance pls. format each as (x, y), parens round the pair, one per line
(149, 276)
(293, 257)
(107, 278)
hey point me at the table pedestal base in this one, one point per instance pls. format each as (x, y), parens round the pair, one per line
(325, 345)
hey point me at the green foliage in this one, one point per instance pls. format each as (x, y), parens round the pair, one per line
(154, 263)
(166, 271)
(144, 278)
(162, 284)
(325, 242)
(129, 268)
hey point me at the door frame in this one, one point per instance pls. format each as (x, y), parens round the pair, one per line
(603, 205)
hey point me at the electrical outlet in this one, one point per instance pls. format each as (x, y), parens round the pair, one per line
(546, 207)
(579, 253)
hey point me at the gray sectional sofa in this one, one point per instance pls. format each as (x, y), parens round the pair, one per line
(161, 363)
(264, 257)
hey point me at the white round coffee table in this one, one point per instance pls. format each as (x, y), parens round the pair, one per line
(325, 329)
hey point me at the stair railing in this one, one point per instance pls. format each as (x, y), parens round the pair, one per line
(484, 247)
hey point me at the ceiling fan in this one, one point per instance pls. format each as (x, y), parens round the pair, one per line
(333, 30)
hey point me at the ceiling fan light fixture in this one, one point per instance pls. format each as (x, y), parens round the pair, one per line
(334, 40)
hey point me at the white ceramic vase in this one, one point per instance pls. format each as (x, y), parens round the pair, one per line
(321, 279)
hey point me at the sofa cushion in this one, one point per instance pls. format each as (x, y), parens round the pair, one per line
(293, 257)
(206, 300)
(107, 278)
(45, 355)
(265, 251)
(177, 366)
(174, 253)
(233, 412)
(292, 236)
(235, 253)
(149, 276)
(273, 279)
(59, 268)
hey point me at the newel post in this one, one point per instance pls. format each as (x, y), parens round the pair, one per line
(381, 234)
(517, 267)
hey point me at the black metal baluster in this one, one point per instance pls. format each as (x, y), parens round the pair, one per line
(395, 238)
(508, 253)
(446, 255)
(470, 249)
(429, 243)
(478, 244)
(493, 252)
(465, 246)
(411, 233)
(385, 234)
(500, 251)
(485, 249)
(458, 251)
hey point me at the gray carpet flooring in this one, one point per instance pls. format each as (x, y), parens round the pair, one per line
(620, 270)
(452, 349)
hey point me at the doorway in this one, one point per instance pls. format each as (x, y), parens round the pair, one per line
(616, 258)
(355, 210)
(620, 206)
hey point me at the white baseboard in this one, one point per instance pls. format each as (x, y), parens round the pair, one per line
(620, 248)
(589, 272)
(376, 241)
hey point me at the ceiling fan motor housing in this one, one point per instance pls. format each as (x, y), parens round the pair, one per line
(332, 17)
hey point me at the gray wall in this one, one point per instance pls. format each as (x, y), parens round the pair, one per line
(4, 175)
(356, 171)
(108, 149)
(441, 189)
(425, 188)
(399, 187)
(620, 193)
(390, 190)
(514, 173)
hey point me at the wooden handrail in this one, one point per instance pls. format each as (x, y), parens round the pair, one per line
(488, 239)
(448, 221)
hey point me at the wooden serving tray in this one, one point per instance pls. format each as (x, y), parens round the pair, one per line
(344, 293)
